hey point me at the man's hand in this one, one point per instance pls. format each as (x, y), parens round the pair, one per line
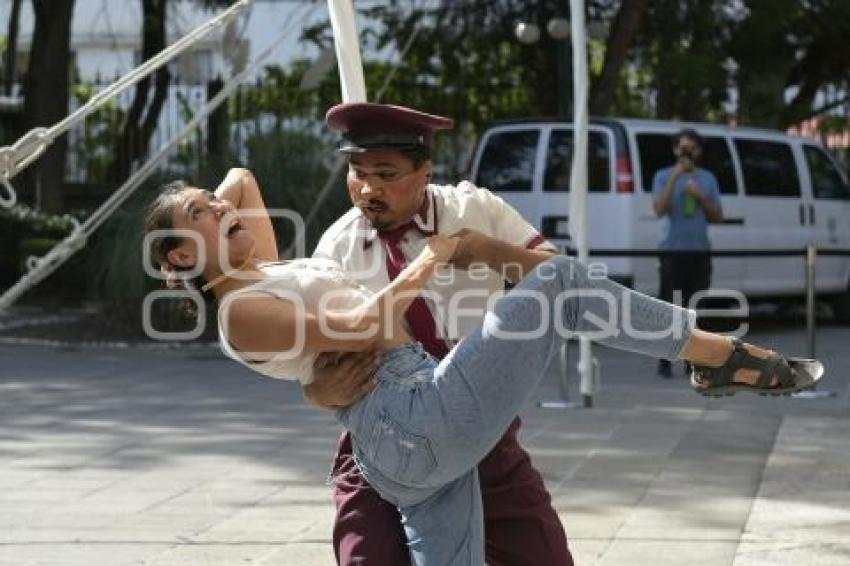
(693, 189)
(341, 379)
(684, 164)
(713, 212)
(471, 248)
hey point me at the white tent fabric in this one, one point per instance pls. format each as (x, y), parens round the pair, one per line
(578, 177)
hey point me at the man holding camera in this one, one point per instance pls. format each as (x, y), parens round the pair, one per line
(686, 198)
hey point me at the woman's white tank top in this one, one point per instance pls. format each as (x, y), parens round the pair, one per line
(318, 285)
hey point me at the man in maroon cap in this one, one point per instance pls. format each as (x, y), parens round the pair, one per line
(396, 209)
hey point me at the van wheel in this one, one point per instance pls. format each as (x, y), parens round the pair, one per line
(841, 307)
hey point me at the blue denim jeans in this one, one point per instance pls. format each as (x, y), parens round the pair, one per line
(420, 433)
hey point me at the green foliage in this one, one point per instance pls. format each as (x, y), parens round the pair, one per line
(292, 165)
(189, 149)
(25, 222)
(94, 150)
(33, 247)
(465, 62)
(25, 232)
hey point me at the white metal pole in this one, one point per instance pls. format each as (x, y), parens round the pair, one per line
(578, 178)
(347, 44)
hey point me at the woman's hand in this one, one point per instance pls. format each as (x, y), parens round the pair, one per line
(440, 249)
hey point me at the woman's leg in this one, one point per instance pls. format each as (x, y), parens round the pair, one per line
(447, 529)
(483, 383)
(418, 444)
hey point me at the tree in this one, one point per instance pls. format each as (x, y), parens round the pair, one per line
(764, 58)
(11, 54)
(142, 116)
(623, 31)
(466, 62)
(46, 91)
(682, 51)
(788, 52)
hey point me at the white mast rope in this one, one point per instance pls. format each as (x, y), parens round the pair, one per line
(16, 157)
(340, 162)
(42, 267)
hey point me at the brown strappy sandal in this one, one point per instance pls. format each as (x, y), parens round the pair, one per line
(793, 374)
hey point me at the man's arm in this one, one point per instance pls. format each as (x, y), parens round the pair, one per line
(511, 261)
(662, 198)
(713, 211)
(709, 200)
(502, 239)
(341, 379)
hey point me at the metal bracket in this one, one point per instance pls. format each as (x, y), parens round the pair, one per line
(10, 198)
(14, 158)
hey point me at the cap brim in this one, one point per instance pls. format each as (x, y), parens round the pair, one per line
(385, 143)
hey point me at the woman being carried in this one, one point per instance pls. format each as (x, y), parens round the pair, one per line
(420, 432)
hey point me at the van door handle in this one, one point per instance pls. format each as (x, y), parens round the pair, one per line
(802, 211)
(812, 214)
(555, 227)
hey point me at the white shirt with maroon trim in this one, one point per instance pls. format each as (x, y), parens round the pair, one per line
(457, 298)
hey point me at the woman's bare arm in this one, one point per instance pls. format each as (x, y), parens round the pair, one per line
(262, 326)
(268, 325)
(242, 190)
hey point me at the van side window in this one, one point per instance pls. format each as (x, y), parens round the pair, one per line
(559, 160)
(717, 158)
(656, 153)
(827, 182)
(507, 163)
(769, 169)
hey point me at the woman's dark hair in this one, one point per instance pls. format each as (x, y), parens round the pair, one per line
(160, 216)
(689, 133)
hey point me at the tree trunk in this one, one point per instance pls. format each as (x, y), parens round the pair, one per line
(11, 47)
(142, 117)
(46, 94)
(623, 31)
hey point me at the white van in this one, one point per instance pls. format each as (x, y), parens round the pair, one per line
(779, 192)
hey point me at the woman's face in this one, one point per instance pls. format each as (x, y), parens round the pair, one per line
(386, 187)
(221, 243)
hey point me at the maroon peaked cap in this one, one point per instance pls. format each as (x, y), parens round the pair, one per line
(366, 125)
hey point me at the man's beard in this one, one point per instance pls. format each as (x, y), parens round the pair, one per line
(373, 215)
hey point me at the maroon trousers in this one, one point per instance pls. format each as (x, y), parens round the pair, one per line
(520, 526)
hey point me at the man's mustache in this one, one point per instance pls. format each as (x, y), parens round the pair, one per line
(374, 205)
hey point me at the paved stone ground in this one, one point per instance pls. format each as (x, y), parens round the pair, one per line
(111, 457)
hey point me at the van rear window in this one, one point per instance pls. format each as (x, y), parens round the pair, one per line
(827, 182)
(769, 169)
(507, 162)
(559, 160)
